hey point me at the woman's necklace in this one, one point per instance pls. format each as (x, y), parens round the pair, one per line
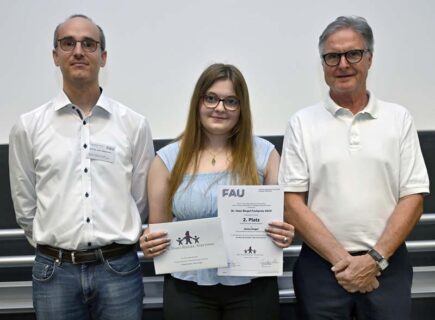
(213, 156)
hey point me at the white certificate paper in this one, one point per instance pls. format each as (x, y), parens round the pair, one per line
(195, 244)
(246, 212)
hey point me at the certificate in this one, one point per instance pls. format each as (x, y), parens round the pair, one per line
(195, 244)
(246, 212)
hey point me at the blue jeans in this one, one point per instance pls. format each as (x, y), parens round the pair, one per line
(111, 289)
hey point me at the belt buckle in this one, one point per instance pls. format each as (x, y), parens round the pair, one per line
(73, 257)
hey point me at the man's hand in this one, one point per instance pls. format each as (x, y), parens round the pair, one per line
(357, 273)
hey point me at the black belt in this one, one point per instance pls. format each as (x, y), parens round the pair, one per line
(87, 256)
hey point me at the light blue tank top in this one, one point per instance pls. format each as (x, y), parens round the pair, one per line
(199, 200)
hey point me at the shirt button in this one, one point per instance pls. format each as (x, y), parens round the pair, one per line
(86, 194)
(86, 170)
(88, 220)
(84, 122)
(85, 146)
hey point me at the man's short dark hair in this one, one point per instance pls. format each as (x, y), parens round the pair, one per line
(102, 37)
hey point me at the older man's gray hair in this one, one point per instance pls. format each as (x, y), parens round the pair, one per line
(357, 24)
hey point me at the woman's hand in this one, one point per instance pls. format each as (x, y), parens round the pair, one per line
(153, 243)
(281, 233)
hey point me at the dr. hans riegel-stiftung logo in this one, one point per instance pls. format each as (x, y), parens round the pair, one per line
(189, 241)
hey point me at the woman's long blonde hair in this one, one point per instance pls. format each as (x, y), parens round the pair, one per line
(192, 140)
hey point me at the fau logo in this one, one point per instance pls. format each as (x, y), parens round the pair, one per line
(233, 193)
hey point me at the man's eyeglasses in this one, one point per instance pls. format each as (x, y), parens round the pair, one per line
(230, 103)
(333, 59)
(69, 43)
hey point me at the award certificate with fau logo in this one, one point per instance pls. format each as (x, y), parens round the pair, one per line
(195, 244)
(245, 213)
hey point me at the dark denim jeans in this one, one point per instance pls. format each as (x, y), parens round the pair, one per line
(111, 289)
(319, 296)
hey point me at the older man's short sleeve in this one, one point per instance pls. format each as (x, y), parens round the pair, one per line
(294, 171)
(413, 173)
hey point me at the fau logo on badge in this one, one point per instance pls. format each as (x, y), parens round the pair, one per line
(233, 193)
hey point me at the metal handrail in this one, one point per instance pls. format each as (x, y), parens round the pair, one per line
(413, 246)
(14, 234)
(427, 218)
(292, 251)
(11, 234)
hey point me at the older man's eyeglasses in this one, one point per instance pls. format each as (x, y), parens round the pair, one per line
(333, 59)
(230, 103)
(69, 43)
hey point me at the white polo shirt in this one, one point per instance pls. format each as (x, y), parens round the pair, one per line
(354, 167)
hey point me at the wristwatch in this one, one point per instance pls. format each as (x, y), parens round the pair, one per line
(379, 259)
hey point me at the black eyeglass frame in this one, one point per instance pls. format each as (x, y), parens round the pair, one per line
(81, 43)
(219, 100)
(345, 54)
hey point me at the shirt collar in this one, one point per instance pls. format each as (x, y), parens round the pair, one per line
(62, 101)
(370, 109)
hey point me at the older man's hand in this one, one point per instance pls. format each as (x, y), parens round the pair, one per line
(357, 273)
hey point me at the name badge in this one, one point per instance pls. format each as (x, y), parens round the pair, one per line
(103, 152)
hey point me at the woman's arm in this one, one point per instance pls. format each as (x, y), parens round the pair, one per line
(155, 243)
(281, 232)
(272, 167)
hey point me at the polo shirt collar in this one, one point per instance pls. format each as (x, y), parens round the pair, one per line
(370, 109)
(61, 101)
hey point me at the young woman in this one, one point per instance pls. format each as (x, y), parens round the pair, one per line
(216, 148)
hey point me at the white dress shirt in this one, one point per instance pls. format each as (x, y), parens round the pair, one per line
(354, 167)
(80, 182)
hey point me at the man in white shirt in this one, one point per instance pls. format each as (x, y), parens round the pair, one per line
(78, 167)
(354, 178)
